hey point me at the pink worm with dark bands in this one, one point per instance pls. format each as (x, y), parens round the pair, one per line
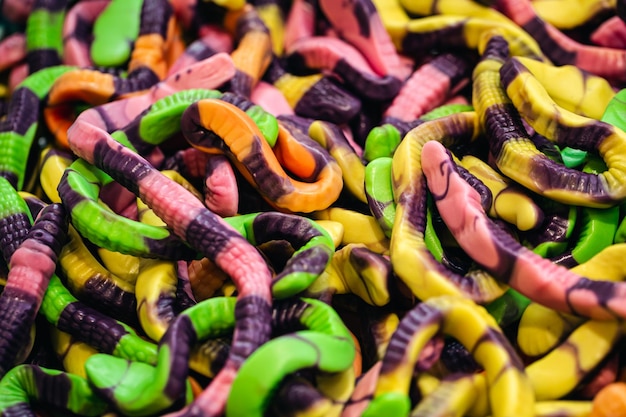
(204, 231)
(501, 255)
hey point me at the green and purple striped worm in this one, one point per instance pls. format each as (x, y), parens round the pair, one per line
(18, 129)
(201, 229)
(44, 34)
(25, 385)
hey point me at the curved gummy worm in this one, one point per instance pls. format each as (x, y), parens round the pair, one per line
(93, 283)
(408, 251)
(560, 126)
(449, 32)
(202, 229)
(253, 53)
(379, 193)
(429, 86)
(18, 129)
(355, 269)
(241, 140)
(501, 255)
(324, 344)
(25, 385)
(12, 50)
(88, 325)
(44, 34)
(76, 31)
(141, 389)
(510, 392)
(15, 219)
(162, 119)
(560, 48)
(30, 268)
(359, 24)
(325, 53)
(332, 138)
(79, 189)
(115, 29)
(316, 96)
(313, 247)
(571, 87)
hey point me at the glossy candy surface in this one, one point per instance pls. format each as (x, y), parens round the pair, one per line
(312, 208)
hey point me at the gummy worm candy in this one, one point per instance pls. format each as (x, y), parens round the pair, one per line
(325, 345)
(407, 248)
(77, 21)
(44, 38)
(254, 158)
(510, 392)
(502, 256)
(30, 268)
(561, 49)
(202, 229)
(25, 383)
(339, 57)
(316, 96)
(18, 130)
(112, 47)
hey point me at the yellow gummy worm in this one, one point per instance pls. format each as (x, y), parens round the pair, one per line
(272, 15)
(453, 396)
(410, 257)
(510, 391)
(541, 328)
(72, 353)
(570, 14)
(358, 228)
(474, 31)
(342, 276)
(52, 167)
(560, 371)
(549, 119)
(579, 92)
(79, 265)
(331, 138)
(509, 202)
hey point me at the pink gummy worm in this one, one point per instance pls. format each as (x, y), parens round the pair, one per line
(178, 208)
(12, 50)
(378, 48)
(324, 52)
(209, 73)
(426, 89)
(213, 37)
(221, 194)
(76, 50)
(300, 22)
(270, 98)
(611, 33)
(31, 266)
(605, 62)
(539, 279)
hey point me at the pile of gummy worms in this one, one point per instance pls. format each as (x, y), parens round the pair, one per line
(312, 208)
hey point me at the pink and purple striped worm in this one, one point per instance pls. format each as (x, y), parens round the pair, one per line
(506, 259)
(203, 230)
(429, 86)
(563, 50)
(327, 53)
(77, 30)
(30, 268)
